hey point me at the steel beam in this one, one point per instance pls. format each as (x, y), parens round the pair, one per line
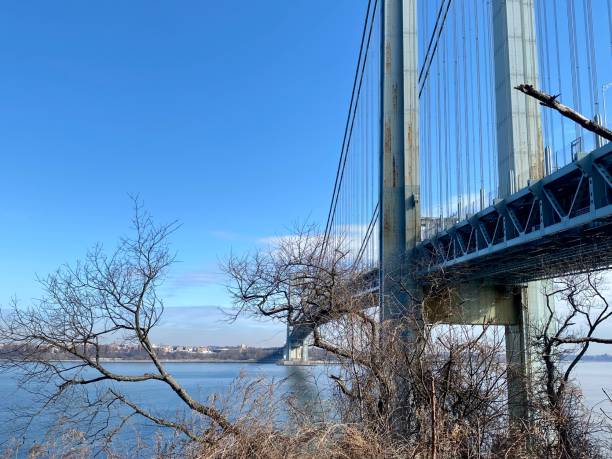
(567, 211)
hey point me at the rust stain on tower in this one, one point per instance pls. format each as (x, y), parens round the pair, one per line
(387, 146)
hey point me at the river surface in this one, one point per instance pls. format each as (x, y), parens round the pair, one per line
(204, 379)
(307, 386)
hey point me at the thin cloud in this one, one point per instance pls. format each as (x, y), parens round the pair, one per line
(191, 279)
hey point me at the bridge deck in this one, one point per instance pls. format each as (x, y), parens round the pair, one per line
(561, 223)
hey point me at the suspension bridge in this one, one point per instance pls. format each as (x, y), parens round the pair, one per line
(445, 166)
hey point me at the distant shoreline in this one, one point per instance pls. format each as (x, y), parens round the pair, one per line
(250, 361)
(595, 358)
(112, 360)
(604, 358)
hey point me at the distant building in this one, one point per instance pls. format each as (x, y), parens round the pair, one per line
(162, 347)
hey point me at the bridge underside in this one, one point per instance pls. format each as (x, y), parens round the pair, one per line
(299, 334)
(559, 224)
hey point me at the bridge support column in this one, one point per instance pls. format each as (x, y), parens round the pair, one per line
(530, 304)
(399, 181)
(518, 372)
(520, 158)
(287, 342)
(472, 303)
(295, 352)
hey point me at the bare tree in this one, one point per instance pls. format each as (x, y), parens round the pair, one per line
(441, 393)
(104, 298)
(562, 341)
(294, 280)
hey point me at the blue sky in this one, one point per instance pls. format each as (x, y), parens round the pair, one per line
(227, 116)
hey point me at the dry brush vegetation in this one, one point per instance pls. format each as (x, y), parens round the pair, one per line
(401, 388)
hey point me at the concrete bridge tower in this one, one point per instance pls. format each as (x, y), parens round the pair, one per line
(399, 171)
(520, 160)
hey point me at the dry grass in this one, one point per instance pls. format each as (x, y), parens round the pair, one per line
(334, 441)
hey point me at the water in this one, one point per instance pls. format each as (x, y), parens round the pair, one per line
(593, 378)
(204, 379)
(201, 380)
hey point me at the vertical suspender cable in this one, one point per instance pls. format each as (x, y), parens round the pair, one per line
(423, 132)
(429, 114)
(548, 80)
(471, 111)
(542, 72)
(591, 54)
(439, 137)
(366, 175)
(493, 113)
(465, 104)
(531, 27)
(610, 24)
(571, 15)
(560, 88)
(446, 133)
(488, 100)
(354, 197)
(588, 48)
(457, 117)
(363, 52)
(430, 147)
(478, 98)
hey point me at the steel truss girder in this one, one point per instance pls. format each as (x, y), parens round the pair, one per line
(569, 209)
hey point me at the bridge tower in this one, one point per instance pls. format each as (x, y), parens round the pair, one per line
(520, 160)
(399, 169)
(296, 351)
